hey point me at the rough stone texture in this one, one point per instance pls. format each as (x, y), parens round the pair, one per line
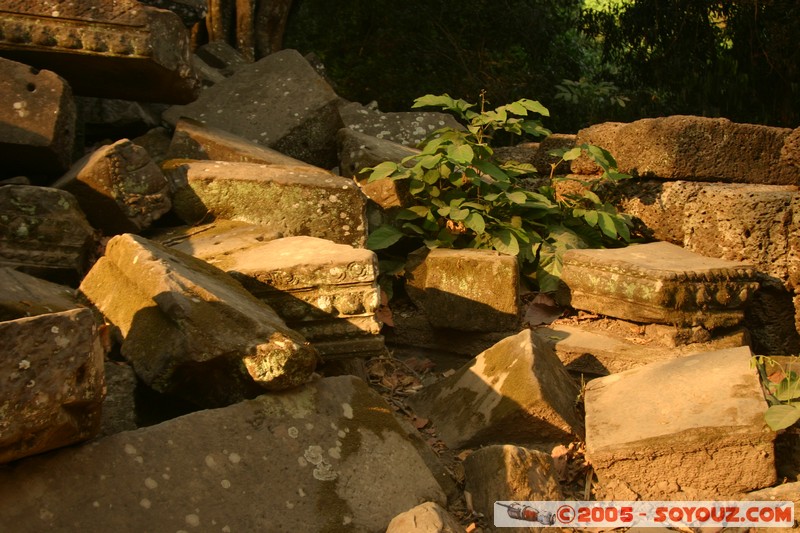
(116, 50)
(290, 200)
(37, 120)
(119, 187)
(428, 517)
(190, 11)
(103, 118)
(659, 282)
(358, 151)
(597, 351)
(156, 141)
(790, 153)
(515, 392)
(509, 473)
(51, 383)
(279, 102)
(470, 290)
(327, 457)
(194, 140)
(22, 296)
(692, 428)
(691, 148)
(328, 292)
(119, 407)
(772, 317)
(786, 492)
(536, 153)
(43, 230)
(221, 56)
(191, 330)
(659, 205)
(408, 128)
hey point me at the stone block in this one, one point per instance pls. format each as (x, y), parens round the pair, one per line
(408, 128)
(22, 296)
(279, 102)
(221, 56)
(119, 187)
(119, 407)
(427, 517)
(156, 141)
(329, 456)
(190, 11)
(194, 140)
(537, 153)
(191, 330)
(37, 124)
(509, 473)
(659, 282)
(516, 392)
(693, 148)
(691, 428)
(51, 382)
(114, 50)
(42, 230)
(469, 290)
(290, 200)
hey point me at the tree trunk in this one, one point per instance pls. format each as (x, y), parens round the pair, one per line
(271, 19)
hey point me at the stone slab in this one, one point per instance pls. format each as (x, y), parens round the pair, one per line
(469, 290)
(51, 382)
(44, 231)
(427, 517)
(120, 49)
(191, 330)
(329, 456)
(691, 428)
(290, 200)
(516, 392)
(119, 407)
(693, 148)
(279, 102)
(659, 282)
(119, 187)
(37, 122)
(22, 296)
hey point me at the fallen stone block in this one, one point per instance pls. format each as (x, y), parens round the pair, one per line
(221, 56)
(119, 407)
(509, 473)
(692, 148)
(515, 392)
(37, 124)
(691, 428)
(51, 383)
(119, 50)
(469, 290)
(290, 200)
(190, 11)
(191, 330)
(659, 282)
(427, 517)
(43, 231)
(22, 296)
(194, 140)
(538, 153)
(119, 187)
(156, 141)
(279, 102)
(329, 456)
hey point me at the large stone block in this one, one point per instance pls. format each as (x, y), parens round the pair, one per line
(290, 200)
(51, 382)
(427, 517)
(279, 102)
(190, 329)
(37, 122)
(659, 282)
(44, 231)
(408, 128)
(329, 456)
(691, 428)
(470, 290)
(693, 148)
(119, 187)
(516, 392)
(538, 153)
(118, 49)
(22, 296)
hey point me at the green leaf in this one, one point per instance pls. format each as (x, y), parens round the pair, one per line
(572, 153)
(592, 197)
(505, 242)
(475, 222)
(622, 228)
(383, 237)
(382, 171)
(533, 105)
(606, 223)
(781, 416)
(490, 169)
(590, 217)
(459, 214)
(462, 154)
(413, 228)
(518, 197)
(430, 161)
(788, 389)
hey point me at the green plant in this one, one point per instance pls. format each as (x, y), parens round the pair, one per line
(465, 198)
(782, 392)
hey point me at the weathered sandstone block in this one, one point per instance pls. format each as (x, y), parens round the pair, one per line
(408, 128)
(51, 382)
(290, 200)
(22, 296)
(37, 120)
(470, 290)
(190, 329)
(659, 282)
(426, 517)
(691, 428)
(119, 187)
(329, 456)
(516, 392)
